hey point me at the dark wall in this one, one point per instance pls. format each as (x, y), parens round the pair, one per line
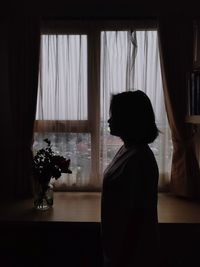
(40, 244)
(102, 9)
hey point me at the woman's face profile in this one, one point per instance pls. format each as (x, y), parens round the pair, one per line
(120, 123)
(115, 125)
(111, 125)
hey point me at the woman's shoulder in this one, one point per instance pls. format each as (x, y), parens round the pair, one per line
(143, 158)
(141, 151)
(145, 151)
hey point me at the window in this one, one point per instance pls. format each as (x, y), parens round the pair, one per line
(80, 67)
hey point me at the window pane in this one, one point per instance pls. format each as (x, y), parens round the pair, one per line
(62, 106)
(62, 90)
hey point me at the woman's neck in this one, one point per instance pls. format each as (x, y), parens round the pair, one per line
(131, 143)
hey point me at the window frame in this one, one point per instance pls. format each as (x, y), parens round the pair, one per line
(93, 29)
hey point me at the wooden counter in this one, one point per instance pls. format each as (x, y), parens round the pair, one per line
(85, 207)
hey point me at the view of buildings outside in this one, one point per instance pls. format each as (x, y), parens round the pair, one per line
(77, 147)
(73, 146)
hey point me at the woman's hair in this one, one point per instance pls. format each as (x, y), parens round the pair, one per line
(134, 112)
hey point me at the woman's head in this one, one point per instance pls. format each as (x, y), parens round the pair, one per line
(132, 117)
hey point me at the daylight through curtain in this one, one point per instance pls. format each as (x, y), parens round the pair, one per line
(129, 60)
(62, 114)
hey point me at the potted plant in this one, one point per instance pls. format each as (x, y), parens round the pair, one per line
(47, 165)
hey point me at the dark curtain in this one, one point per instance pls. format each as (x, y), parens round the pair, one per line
(176, 37)
(23, 43)
(5, 115)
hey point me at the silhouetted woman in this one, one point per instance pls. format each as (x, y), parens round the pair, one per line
(129, 196)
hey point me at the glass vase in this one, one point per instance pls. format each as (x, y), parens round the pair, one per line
(43, 197)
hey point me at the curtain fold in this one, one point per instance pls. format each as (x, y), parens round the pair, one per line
(5, 115)
(23, 61)
(175, 38)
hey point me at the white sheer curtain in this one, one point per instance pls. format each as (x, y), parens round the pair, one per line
(62, 113)
(63, 78)
(128, 61)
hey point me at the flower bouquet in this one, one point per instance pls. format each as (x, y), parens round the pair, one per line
(47, 165)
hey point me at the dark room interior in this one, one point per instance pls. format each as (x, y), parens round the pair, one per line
(60, 237)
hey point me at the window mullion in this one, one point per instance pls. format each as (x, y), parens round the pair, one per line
(94, 101)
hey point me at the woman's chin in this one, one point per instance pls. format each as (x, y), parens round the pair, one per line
(113, 132)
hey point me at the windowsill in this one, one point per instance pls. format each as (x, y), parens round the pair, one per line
(67, 207)
(85, 207)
